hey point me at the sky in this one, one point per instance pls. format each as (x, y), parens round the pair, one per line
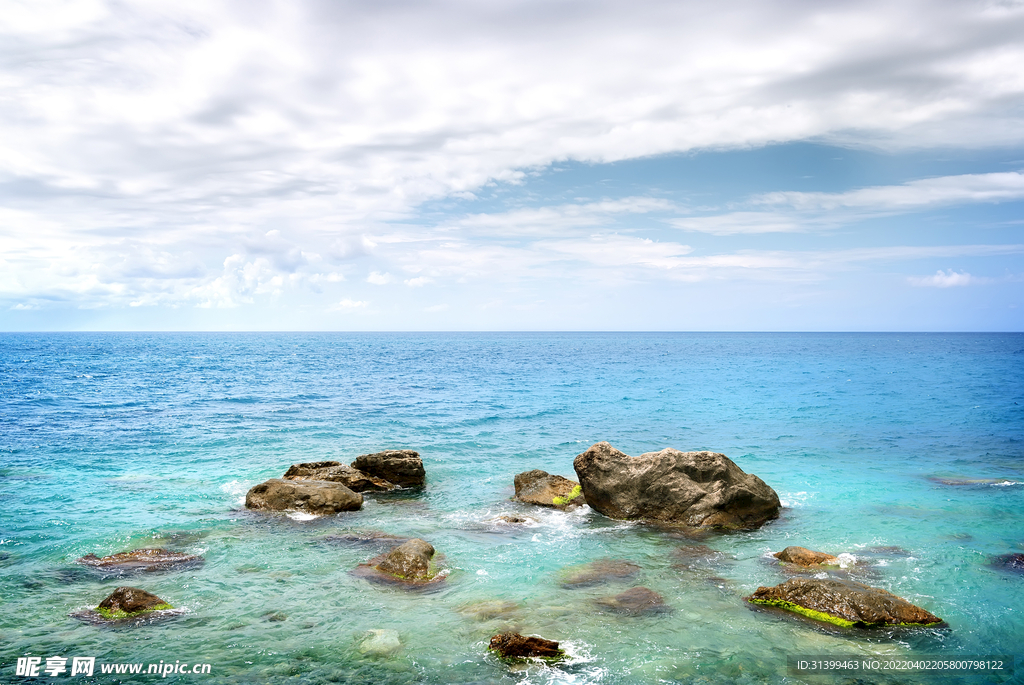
(531, 165)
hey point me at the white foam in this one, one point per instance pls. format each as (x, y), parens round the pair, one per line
(792, 500)
(236, 489)
(846, 560)
(301, 516)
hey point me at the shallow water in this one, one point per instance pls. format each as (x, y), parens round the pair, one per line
(110, 442)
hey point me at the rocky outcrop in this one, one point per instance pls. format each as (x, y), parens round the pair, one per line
(694, 488)
(806, 557)
(336, 472)
(545, 490)
(407, 564)
(597, 572)
(401, 467)
(842, 602)
(313, 496)
(128, 602)
(636, 601)
(141, 561)
(516, 646)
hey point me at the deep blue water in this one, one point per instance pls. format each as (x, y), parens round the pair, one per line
(110, 442)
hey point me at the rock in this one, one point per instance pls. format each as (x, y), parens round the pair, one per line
(407, 564)
(401, 467)
(127, 602)
(313, 496)
(141, 561)
(366, 538)
(513, 520)
(489, 609)
(971, 482)
(410, 560)
(698, 558)
(1010, 562)
(694, 488)
(336, 472)
(380, 642)
(842, 602)
(600, 571)
(516, 646)
(806, 557)
(543, 489)
(635, 602)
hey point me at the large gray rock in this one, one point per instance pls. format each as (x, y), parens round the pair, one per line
(336, 472)
(693, 488)
(401, 467)
(843, 602)
(543, 489)
(313, 496)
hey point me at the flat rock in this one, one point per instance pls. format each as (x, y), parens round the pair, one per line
(336, 472)
(842, 602)
(955, 481)
(147, 560)
(806, 557)
(694, 488)
(599, 571)
(366, 538)
(516, 646)
(313, 496)
(636, 601)
(401, 467)
(380, 642)
(546, 490)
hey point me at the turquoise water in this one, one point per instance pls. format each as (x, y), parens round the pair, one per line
(110, 442)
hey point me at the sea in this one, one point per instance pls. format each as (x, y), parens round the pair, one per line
(904, 452)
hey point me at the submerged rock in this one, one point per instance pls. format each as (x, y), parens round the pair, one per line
(401, 467)
(698, 558)
(314, 496)
(546, 490)
(380, 642)
(842, 602)
(141, 561)
(806, 557)
(694, 488)
(600, 571)
(634, 602)
(956, 481)
(490, 609)
(516, 646)
(336, 472)
(366, 538)
(407, 564)
(1010, 562)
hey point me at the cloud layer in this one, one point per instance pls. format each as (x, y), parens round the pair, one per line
(222, 154)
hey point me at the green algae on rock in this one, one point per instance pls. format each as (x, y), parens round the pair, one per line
(547, 490)
(842, 602)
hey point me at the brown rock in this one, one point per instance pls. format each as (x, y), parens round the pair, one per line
(694, 488)
(406, 565)
(314, 496)
(805, 557)
(141, 561)
(1010, 562)
(634, 602)
(336, 472)
(129, 601)
(698, 558)
(843, 602)
(514, 645)
(401, 467)
(600, 571)
(545, 490)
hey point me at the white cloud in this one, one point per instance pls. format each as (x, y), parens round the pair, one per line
(377, 278)
(419, 281)
(436, 308)
(945, 279)
(793, 211)
(349, 304)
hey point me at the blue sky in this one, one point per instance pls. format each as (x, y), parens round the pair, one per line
(563, 165)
